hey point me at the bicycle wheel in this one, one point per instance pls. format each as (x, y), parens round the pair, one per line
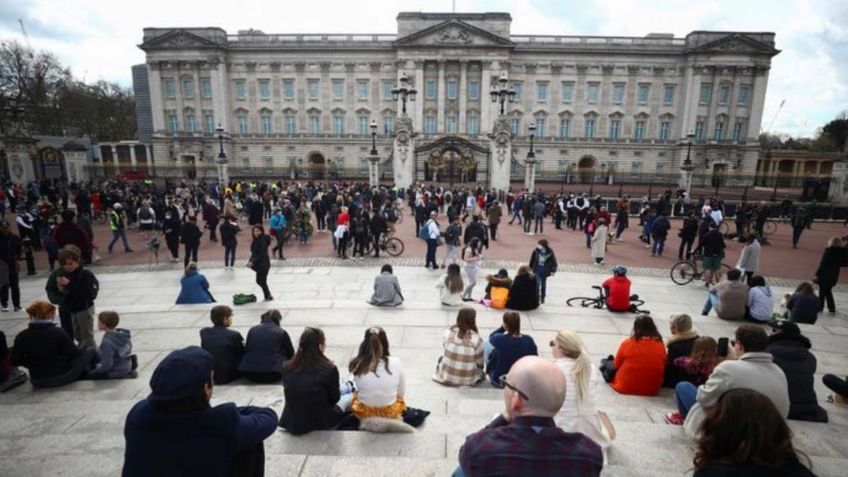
(724, 227)
(394, 246)
(100, 218)
(683, 273)
(583, 301)
(770, 227)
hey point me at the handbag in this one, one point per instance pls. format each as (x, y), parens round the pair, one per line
(607, 369)
(249, 265)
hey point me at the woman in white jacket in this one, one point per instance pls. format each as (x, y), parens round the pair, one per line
(749, 260)
(579, 412)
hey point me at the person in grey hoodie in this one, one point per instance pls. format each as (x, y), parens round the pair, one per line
(760, 301)
(116, 358)
(386, 289)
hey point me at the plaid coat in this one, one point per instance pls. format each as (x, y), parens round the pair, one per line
(462, 361)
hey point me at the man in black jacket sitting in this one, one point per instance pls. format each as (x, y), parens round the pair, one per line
(225, 345)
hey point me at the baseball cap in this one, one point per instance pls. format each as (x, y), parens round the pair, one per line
(181, 373)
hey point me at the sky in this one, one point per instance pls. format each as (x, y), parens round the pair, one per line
(98, 39)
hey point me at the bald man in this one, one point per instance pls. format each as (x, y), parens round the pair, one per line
(524, 440)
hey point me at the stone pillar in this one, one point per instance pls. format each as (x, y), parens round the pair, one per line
(132, 157)
(441, 99)
(690, 101)
(758, 98)
(220, 93)
(530, 175)
(463, 96)
(116, 162)
(156, 106)
(839, 182)
(485, 99)
(403, 161)
(148, 154)
(500, 156)
(713, 106)
(418, 113)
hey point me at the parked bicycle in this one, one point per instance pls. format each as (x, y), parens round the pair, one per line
(391, 245)
(683, 272)
(770, 227)
(600, 302)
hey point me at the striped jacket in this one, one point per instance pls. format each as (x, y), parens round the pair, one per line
(462, 361)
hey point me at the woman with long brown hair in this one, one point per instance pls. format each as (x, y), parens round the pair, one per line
(524, 291)
(314, 400)
(450, 286)
(461, 364)
(378, 378)
(640, 360)
(744, 435)
(505, 346)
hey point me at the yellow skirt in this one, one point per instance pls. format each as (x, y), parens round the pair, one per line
(392, 411)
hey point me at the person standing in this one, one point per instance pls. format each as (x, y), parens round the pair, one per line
(379, 226)
(687, 235)
(80, 288)
(622, 221)
(432, 233)
(210, 219)
(452, 235)
(527, 212)
(259, 260)
(544, 264)
(190, 237)
(712, 248)
(749, 260)
(599, 242)
(359, 227)
(471, 255)
(10, 253)
(229, 230)
(494, 215)
(834, 258)
(277, 225)
(172, 228)
(69, 233)
(118, 227)
(146, 219)
(342, 232)
(799, 222)
(517, 207)
(660, 232)
(539, 215)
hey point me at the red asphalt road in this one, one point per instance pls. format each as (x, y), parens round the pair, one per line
(777, 259)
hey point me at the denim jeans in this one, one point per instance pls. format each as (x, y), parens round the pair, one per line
(659, 244)
(685, 393)
(119, 234)
(487, 350)
(712, 301)
(346, 393)
(431, 253)
(542, 281)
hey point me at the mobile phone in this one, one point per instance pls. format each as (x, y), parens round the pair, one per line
(721, 350)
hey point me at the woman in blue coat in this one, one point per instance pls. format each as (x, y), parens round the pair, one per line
(194, 288)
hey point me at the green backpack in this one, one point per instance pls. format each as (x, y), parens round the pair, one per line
(241, 299)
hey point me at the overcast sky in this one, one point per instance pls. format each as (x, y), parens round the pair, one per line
(98, 38)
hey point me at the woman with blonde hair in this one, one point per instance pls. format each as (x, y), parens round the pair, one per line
(47, 351)
(461, 364)
(378, 378)
(450, 286)
(579, 412)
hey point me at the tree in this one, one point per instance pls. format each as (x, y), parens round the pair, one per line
(836, 131)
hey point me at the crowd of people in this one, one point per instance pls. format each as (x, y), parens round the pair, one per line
(732, 396)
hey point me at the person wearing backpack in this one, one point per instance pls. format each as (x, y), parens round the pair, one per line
(430, 233)
(452, 235)
(390, 216)
(146, 218)
(544, 264)
(660, 233)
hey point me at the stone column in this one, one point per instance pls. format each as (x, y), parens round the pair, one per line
(440, 101)
(713, 106)
(485, 100)
(220, 96)
(690, 103)
(758, 98)
(463, 96)
(404, 152)
(116, 162)
(132, 157)
(418, 114)
(156, 107)
(500, 157)
(148, 154)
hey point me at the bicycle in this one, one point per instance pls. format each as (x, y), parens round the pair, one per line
(600, 302)
(391, 245)
(99, 217)
(683, 272)
(769, 227)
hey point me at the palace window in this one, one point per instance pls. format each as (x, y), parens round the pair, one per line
(314, 124)
(362, 121)
(240, 90)
(430, 89)
(514, 124)
(451, 89)
(592, 93)
(642, 94)
(173, 122)
(312, 88)
(541, 123)
(742, 98)
(362, 89)
(264, 89)
(699, 130)
(668, 95)
(719, 130)
(639, 130)
(242, 124)
(567, 91)
(474, 90)
(429, 125)
(706, 92)
(170, 91)
(338, 125)
(541, 91)
(737, 130)
(188, 88)
(209, 122)
(266, 123)
(206, 88)
(473, 125)
(191, 123)
(338, 89)
(564, 128)
(618, 93)
(518, 87)
(290, 124)
(723, 95)
(450, 125)
(589, 133)
(665, 130)
(388, 124)
(615, 128)
(387, 90)
(288, 89)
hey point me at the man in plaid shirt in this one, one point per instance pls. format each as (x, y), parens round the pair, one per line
(524, 440)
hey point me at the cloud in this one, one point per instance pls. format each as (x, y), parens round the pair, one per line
(98, 38)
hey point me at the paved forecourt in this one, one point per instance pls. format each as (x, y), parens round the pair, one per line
(77, 430)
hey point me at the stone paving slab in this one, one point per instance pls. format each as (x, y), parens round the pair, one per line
(77, 430)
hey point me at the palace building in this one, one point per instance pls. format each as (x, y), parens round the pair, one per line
(301, 105)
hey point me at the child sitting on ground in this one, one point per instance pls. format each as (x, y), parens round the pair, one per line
(700, 363)
(116, 358)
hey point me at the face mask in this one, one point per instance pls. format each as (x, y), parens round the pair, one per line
(540, 248)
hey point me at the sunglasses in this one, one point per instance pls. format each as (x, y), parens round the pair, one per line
(510, 386)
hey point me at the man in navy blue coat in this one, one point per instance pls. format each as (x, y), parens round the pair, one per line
(175, 431)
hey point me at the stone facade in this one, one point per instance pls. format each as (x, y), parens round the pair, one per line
(617, 106)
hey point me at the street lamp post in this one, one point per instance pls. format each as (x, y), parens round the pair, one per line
(373, 157)
(530, 178)
(404, 91)
(687, 168)
(503, 92)
(223, 162)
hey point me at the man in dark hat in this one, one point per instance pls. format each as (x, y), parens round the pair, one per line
(791, 352)
(175, 431)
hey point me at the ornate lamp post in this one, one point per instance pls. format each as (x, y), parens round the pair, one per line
(687, 167)
(403, 91)
(223, 162)
(530, 178)
(502, 93)
(373, 157)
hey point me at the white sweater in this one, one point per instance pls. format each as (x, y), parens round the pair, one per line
(379, 388)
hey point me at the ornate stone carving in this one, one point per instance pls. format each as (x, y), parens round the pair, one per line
(250, 65)
(453, 36)
(300, 66)
(325, 66)
(350, 67)
(275, 65)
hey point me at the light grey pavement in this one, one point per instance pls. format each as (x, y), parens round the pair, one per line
(77, 430)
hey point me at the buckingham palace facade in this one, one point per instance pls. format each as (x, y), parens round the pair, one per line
(294, 104)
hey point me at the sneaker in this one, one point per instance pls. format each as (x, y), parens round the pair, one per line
(674, 418)
(5, 308)
(270, 298)
(17, 308)
(129, 250)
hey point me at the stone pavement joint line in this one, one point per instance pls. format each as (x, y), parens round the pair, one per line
(77, 430)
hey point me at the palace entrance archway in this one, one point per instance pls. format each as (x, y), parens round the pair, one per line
(586, 169)
(317, 166)
(452, 160)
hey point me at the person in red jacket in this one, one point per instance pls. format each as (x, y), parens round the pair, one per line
(617, 290)
(640, 360)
